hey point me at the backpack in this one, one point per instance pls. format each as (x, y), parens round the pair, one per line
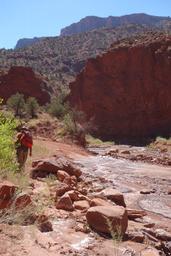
(27, 140)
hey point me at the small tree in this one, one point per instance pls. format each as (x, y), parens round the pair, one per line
(17, 103)
(32, 106)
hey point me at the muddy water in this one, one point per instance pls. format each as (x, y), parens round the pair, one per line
(130, 178)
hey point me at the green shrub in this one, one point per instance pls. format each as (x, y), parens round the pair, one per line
(7, 143)
(17, 103)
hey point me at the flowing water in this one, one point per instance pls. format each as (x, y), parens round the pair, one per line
(130, 178)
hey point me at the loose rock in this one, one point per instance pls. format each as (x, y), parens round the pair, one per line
(43, 224)
(22, 201)
(42, 168)
(81, 205)
(99, 202)
(62, 175)
(115, 196)
(108, 219)
(7, 191)
(134, 214)
(65, 203)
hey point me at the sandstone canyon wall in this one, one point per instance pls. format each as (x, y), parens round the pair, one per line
(23, 80)
(128, 89)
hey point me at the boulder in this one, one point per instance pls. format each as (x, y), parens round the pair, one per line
(114, 195)
(83, 197)
(7, 192)
(108, 219)
(62, 175)
(65, 203)
(163, 235)
(62, 189)
(22, 200)
(134, 214)
(69, 181)
(147, 191)
(74, 195)
(99, 202)
(73, 180)
(136, 236)
(42, 168)
(81, 205)
(43, 224)
(150, 252)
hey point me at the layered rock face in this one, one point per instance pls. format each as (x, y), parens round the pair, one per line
(127, 90)
(23, 80)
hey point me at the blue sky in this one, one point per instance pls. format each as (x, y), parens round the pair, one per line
(34, 18)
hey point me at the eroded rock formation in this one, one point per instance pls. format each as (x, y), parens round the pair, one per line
(23, 80)
(127, 90)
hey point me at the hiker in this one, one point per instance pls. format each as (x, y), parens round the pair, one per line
(23, 146)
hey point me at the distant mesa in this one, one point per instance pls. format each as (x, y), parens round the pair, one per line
(23, 80)
(92, 22)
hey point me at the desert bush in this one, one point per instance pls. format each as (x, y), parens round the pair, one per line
(57, 108)
(69, 124)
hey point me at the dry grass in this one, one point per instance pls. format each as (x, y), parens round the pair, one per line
(161, 144)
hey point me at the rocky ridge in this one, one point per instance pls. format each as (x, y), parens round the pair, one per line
(92, 22)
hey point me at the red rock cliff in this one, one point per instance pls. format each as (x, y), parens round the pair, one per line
(128, 89)
(23, 80)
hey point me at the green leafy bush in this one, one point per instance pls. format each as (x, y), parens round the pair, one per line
(7, 143)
